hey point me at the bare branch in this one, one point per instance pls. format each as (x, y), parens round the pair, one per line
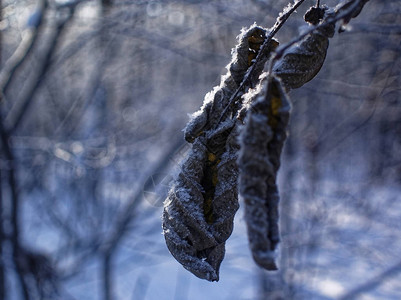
(2, 240)
(283, 17)
(127, 214)
(29, 39)
(344, 12)
(373, 283)
(13, 120)
(107, 277)
(15, 210)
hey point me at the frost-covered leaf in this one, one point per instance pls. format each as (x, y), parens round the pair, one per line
(185, 229)
(303, 61)
(199, 210)
(215, 102)
(261, 141)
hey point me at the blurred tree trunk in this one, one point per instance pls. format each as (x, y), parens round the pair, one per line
(312, 145)
(2, 278)
(272, 285)
(101, 106)
(106, 5)
(277, 285)
(386, 72)
(2, 240)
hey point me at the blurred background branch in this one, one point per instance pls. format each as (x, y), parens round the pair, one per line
(373, 283)
(96, 94)
(29, 38)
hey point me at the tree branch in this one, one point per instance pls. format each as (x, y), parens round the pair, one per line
(107, 277)
(14, 120)
(15, 209)
(2, 240)
(343, 12)
(29, 40)
(373, 283)
(282, 18)
(128, 213)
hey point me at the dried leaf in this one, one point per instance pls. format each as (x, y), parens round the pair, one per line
(262, 140)
(187, 234)
(208, 117)
(303, 61)
(199, 210)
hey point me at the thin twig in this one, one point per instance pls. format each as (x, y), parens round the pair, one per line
(128, 213)
(373, 283)
(283, 17)
(124, 220)
(12, 122)
(29, 39)
(350, 120)
(344, 11)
